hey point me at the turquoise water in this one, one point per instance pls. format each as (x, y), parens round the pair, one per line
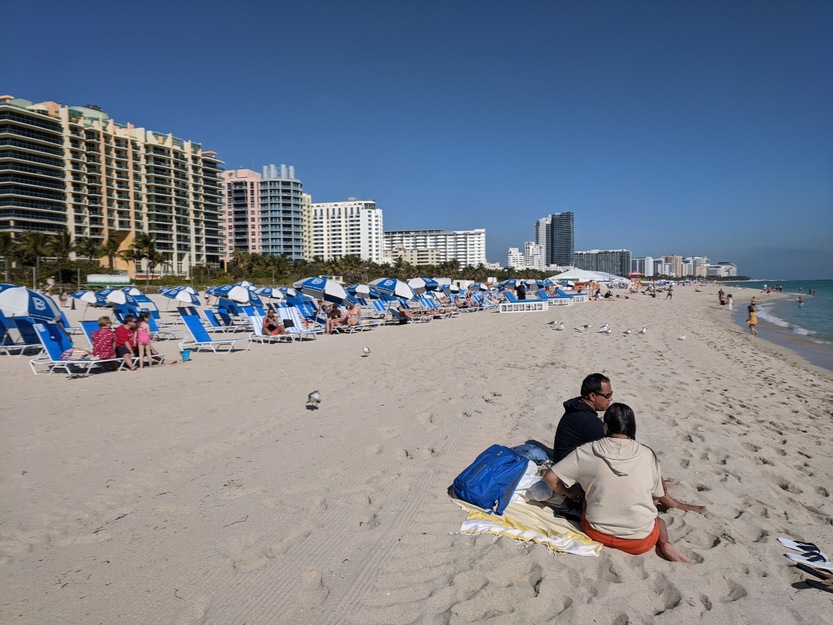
(807, 329)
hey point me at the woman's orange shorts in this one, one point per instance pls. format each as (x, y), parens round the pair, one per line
(634, 547)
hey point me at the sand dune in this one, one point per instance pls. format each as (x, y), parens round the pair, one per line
(207, 492)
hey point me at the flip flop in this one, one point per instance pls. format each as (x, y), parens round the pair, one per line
(815, 561)
(805, 548)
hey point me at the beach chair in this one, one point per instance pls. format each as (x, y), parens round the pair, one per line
(296, 325)
(257, 334)
(201, 340)
(55, 342)
(29, 341)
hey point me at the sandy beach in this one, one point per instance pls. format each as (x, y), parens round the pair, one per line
(206, 492)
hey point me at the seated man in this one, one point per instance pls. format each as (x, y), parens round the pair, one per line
(580, 424)
(125, 344)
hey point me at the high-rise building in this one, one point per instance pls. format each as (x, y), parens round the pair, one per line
(467, 247)
(617, 262)
(118, 180)
(561, 239)
(675, 265)
(242, 224)
(515, 258)
(282, 212)
(542, 236)
(351, 228)
(534, 255)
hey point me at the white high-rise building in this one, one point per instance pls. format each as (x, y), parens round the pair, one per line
(515, 258)
(467, 247)
(347, 228)
(542, 235)
(534, 255)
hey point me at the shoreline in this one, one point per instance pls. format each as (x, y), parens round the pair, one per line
(208, 492)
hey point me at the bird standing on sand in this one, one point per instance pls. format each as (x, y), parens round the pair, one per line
(626, 332)
(643, 331)
(604, 328)
(314, 399)
(586, 326)
(365, 351)
(560, 326)
(681, 338)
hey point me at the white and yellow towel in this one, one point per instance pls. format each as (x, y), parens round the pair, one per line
(529, 522)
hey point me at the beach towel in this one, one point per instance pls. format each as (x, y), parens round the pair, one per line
(529, 522)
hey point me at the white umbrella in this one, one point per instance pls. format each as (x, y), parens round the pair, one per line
(322, 288)
(393, 288)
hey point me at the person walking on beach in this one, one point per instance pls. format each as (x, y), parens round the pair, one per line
(722, 297)
(730, 302)
(621, 482)
(752, 319)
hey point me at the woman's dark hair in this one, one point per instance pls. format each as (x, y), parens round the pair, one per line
(619, 419)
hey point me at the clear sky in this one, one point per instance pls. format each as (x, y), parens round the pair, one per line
(691, 128)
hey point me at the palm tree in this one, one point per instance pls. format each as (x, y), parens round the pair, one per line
(110, 249)
(144, 247)
(129, 256)
(155, 258)
(7, 245)
(86, 246)
(61, 246)
(32, 246)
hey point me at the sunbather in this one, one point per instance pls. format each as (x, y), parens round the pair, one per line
(272, 326)
(621, 483)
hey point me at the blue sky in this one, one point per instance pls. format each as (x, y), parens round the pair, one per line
(700, 128)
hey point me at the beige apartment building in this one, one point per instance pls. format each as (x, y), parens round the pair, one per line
(74, 167)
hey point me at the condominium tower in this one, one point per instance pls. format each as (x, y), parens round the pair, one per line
(74, 168)
(282, 212)
(242, 223)
(561, 239)
(351, 228)
(467, 247)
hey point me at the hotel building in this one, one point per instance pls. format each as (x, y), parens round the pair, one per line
(617, 262)
(467, 247)
(347, 228)
(242, 223)
(282, 212)
(73, 167)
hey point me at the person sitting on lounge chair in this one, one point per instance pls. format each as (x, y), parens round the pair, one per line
(272, 326)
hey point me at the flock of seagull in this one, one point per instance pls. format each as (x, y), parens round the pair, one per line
(605, 329)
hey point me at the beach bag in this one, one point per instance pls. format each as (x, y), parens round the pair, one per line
(491, 479)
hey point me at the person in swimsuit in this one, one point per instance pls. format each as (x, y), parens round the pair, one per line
(752, 319)
(272, 325)
(143, 339)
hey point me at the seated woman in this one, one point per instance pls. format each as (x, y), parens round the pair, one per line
(354, 314)
(621, 481)
(272, 326)
(335, 318)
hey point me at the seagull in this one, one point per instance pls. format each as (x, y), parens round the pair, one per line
(604, 328)
(366, 351)
(681, 338)
(626, 332)
(314, 398)
(586, 326)
(560, 326)
(552, 323)
(608, 331)
(643, 331)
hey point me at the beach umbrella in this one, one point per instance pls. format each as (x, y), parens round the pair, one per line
(477, 286)
(131, 290)
(185, 294)
(288, 291)
(18, 301)
(392, 287)
(85, 295)
(418, 285)
(245, 283)
(430, 284)
(119, 297)
(237, 293)
(452, 288)
(271, 292)
(322, 288)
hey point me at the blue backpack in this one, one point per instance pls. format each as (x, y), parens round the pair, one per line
(491, 479)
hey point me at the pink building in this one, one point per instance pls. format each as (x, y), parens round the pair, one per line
(242, 212)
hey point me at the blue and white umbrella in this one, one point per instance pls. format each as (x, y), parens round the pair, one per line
(271, 292)
(237, 293)
(18, 301)
(115, 296)
(131, 290)
(322, 288)
(185, 294)
(85, 295)
(418, 285)
(393, 288)
(245, 283)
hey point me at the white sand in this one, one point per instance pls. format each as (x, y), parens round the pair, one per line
(206, 492)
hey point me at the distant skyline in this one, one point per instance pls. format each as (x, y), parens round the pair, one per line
(666, 128)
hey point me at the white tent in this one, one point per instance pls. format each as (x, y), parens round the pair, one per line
(583, 275)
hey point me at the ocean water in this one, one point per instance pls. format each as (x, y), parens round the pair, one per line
(806, 329)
